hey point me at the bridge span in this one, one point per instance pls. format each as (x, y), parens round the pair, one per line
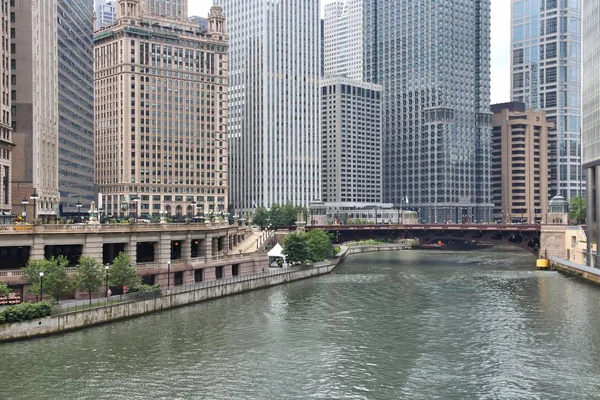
(524, 236)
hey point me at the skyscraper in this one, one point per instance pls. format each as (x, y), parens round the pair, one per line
(34, 93)
(106, 13)
(591, 122)
(161, 115)
(170, 9)
(546, 75)
(75, 105)
(274, 126)
(433, 60)
(6, 144)
(351, 141)
(519, 165)
(344, 38)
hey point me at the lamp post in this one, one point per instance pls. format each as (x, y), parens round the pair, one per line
(193, 210)
(106, 281)
(34, 196)
(136, 201)
(78, 205)
(41, 285)
(24, 202)
(168, 274)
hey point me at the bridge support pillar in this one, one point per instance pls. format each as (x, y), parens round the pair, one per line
(131, 248)
(37, 250)
(93, 247)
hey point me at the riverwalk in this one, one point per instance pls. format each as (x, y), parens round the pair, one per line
(571, 268)
(178, 296)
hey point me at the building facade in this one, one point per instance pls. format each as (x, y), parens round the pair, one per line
(436, 99)
(591, 122)
(344, 38)
(200, 22)
(161, 115)
(106, 13)
(34, 93)
(75, 105)
(519, 164)
(546, 75)
(6, 143)
(168, 9)
(274, 127)
(351, 120)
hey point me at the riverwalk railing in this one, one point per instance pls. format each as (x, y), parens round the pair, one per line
(80, 305)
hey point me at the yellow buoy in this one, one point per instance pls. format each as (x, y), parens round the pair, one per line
(542, 263)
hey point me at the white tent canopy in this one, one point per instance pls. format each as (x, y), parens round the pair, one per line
(276, 252)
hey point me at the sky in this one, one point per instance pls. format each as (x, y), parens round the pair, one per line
(500, 44)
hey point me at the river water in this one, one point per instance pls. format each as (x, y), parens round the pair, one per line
(395, 325)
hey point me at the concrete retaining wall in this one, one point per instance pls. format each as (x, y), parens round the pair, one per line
(82, 319)
(568, 267)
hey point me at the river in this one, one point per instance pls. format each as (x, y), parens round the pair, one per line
(394, 325)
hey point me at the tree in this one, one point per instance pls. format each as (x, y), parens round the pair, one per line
(260, 217)
(55, 282)
(122, 272)
(4, 290)
(295, 248)
(319, 245)
(88, 276)
(577, 209)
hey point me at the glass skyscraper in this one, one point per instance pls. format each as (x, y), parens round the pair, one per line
(546, 75)
(75, 105)
(591, 120)
(433, 60)
(344, 38)
(274, 125)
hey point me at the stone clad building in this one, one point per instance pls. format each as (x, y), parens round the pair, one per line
(34, 94)
(519, 163)
(6, 144)
(161, 114)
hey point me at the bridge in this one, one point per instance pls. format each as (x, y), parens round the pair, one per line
(524, 236)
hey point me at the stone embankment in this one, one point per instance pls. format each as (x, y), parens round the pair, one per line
(571, 268)
(177, 297)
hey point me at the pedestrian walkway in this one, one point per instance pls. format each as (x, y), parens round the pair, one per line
(251, 244)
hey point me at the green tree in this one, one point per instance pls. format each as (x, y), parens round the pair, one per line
(295, 248)
(122, 272)
(577, 209)
(319, 245)
(4, 290)
(88, 276)
(260, 217)
(56, 282)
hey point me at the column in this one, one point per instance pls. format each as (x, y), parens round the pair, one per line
(93, 247)
(131, 248)
(590, 216)
(594, 223)
(206, 247)
(186, 249)
(215, 246)
(37, 250)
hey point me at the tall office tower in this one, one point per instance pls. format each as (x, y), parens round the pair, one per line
(274, 129)
(344, 38)
(161, 115)
(34, 78)
(546, 75)
(170, 9)
(351, 141)
(519, 163)
(433, 60)
(75, 105)
(6, 144)
(106, 13)
(199, 22)
(591, 122)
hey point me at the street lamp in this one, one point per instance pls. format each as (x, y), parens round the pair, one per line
(24, 202)
(78, 205)
(41, 285)
(106, 282)
(136, 201)
(168, 274)
(34, 196)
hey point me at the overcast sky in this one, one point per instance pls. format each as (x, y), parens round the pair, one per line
(500, 44)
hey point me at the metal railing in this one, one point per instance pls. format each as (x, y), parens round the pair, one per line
(125, 227)
(69, 306)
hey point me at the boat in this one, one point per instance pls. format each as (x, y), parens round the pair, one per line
(455, 245)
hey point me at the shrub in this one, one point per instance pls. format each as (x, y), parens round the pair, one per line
(145, 289)
(26, 311)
